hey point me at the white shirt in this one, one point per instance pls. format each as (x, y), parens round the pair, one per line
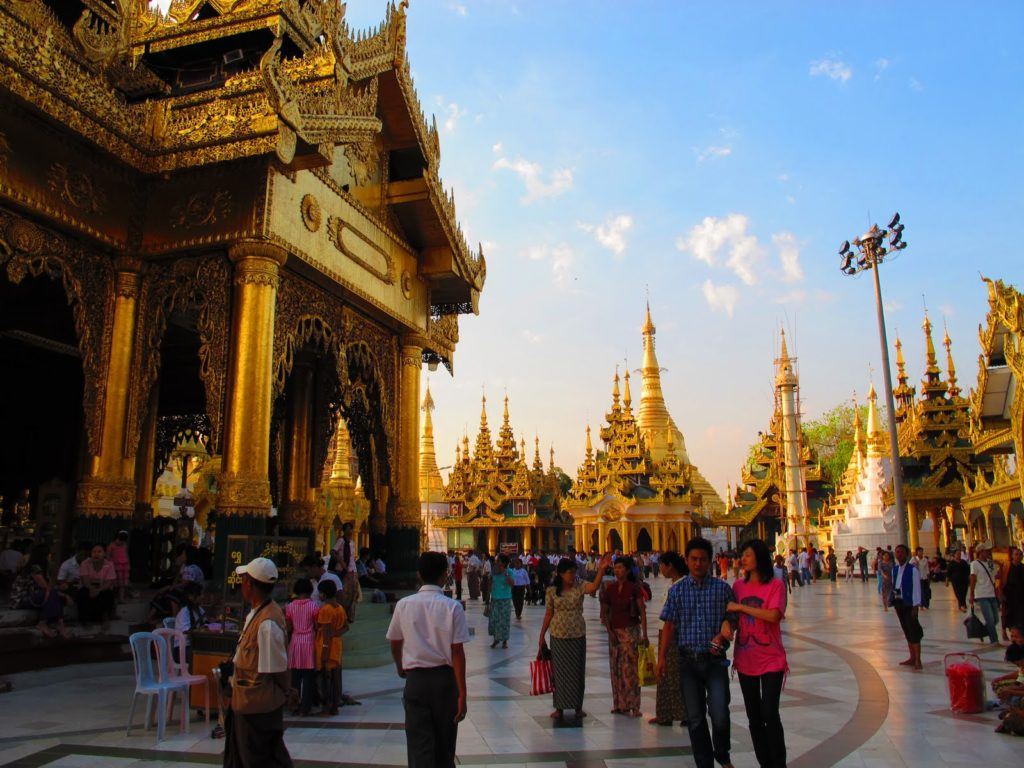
(802, 559)
(273, 649)
(486, 568)
(339, 549)
(378, 566)
(520, 577)
(921, 563)
(68, 571)
(983, 585)
(474, 561)
(429, 624)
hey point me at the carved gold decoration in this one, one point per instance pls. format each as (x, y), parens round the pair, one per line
(76, 188)
(312, 217)
(105, 498)
(5, 150)
(363, 160)
(202, 209)
(344, 237)
(88, 280)
(406, 284)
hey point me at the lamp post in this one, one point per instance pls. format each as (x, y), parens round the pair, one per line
(871, 251)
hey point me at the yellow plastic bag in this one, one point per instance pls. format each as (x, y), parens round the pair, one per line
(646, 663)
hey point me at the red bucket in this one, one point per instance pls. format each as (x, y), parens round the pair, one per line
(966, 683)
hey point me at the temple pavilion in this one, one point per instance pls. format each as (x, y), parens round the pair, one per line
(496, 501)
(221, 224)
(641, 492)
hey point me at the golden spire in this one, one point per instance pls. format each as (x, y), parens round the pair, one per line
(954, 390)
(875, 435)
(858, 437)
(538, 465)
(932, 365)
(522, 448)
(551, 460)
(627, 396)
(430, 478)
(653, 413)
(728, 496)
(590, 446)
(901, 364)
(615, 390)
(340, 472)
(784, 352)
(904, 393)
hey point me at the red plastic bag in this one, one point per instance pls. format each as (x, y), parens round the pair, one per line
(540, 677)
(966, 683)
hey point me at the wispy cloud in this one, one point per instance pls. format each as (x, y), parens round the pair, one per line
(562, 259)
(947, 310)
(834, 69)
(721, 298)
(915, 85)
(789, 256)
(531, 337)
(557, 182)
(892, 305)
(611, 233)
(881, 65)
(713, 152)
(458, 9)
(708, 239)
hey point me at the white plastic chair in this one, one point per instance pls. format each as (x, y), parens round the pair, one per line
(179, 672)
(149, 680)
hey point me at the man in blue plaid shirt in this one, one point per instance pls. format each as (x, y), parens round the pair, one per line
(695, 615)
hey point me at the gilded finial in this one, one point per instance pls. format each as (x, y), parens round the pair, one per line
(551, 459)
(627, 396)
(932, 366)
(648, 327)
(784, 353)
(954, 390)
(615, 389)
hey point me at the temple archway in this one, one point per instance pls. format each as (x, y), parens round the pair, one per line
(41, 392)
(643, 541)
(595, 541)
(999, 533)
(615, 541)
(672, 543)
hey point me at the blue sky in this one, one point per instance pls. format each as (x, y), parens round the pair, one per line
(716, 154)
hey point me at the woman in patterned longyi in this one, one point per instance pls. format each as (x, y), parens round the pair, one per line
(564, 618)
(624, 614)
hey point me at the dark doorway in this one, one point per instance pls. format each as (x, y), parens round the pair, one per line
(643, 541)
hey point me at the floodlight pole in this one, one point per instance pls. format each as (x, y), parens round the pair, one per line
(873, 253)
(890, 406)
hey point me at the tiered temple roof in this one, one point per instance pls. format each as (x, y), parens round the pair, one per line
(497, 486)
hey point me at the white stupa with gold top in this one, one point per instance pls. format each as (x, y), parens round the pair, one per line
(432, 500)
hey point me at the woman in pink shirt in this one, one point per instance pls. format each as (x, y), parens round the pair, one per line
(300, 616)
(760, 658)
(99, 580)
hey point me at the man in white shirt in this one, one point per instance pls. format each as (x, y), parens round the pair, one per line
(983, 588)
(427, 634)
(67, 574)
(473, 576)
(315, 571)
(793, 563)
(804, 559)
(345, 552)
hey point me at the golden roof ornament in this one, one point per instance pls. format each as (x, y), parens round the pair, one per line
(952, 388)
(627, 396)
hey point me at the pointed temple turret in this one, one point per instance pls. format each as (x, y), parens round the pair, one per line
(904, 393)
(952, 387)
(653, 414)
(876, 436)
(932, 386)
(797, 532)
(431, 484)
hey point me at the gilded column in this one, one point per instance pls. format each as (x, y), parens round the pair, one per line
(405, 520)
(938, 528)
(912, 525)
(602, 535)
(244, 483)
(298, 512)
(527, 539)
(107, 489)
(492, 540)
(145, 459)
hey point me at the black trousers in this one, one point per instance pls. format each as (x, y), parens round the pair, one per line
(518, 595)
(761, 694)
(908, 622)
(431, 699)
(255, 741)
(704, 682)
(960, 590)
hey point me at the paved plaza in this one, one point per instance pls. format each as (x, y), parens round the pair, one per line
(846, 703)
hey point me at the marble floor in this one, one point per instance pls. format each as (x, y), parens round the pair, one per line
(846, 703)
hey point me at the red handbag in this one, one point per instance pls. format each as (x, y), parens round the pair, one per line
(541, 679)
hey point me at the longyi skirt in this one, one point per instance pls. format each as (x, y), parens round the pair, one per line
(569, 668)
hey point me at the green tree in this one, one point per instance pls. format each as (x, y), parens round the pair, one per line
(831, 438)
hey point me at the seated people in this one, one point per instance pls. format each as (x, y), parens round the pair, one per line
(1009, 688)
(33, 591)
(191, 614)
(67, 574)
(97, 595)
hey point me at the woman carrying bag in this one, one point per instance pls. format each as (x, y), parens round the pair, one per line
(564, 618)
(500, 608)
(624, 614)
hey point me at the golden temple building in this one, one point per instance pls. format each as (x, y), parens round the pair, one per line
(640, 493)
(497, 501)
(225, 221)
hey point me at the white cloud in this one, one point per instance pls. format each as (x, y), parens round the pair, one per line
(721, 297)
(612, 233)
(790, 199)
(496, 148)
(915, 85)
(712, 235)
(452, 113)
(562, 259)
(558, 181)
(798, 296)
(459, 9)
(881, 65)
(789, 256)
(783, 177)
(531, 337)
(892, 305)
(947, 310)
(712, 152)
(834, 69)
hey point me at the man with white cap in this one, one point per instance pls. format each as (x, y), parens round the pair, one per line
(261, 681)
(984, 590)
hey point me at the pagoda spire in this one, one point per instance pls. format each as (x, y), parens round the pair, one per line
(728, 497)
(430, 477)
(932, 365)
(590, 446)
(953, 388)
(904, 393)
(858, 435)
(875, 435)
(615, 390)
(653, 413)
(551, 460)
(538, 465)
(627, 396)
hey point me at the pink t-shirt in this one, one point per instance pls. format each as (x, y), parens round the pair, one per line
(759, 642)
